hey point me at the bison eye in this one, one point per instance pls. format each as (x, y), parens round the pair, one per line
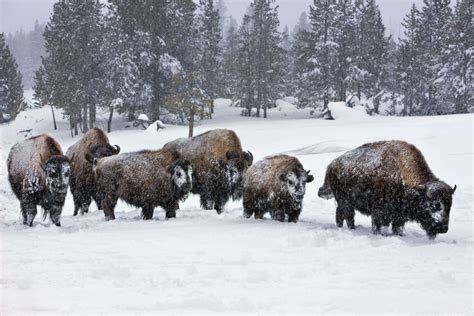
(291, 182)
(178, 174)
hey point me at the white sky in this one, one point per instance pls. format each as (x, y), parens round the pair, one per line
(16, 14)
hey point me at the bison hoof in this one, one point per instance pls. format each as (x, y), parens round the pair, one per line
(58, 224)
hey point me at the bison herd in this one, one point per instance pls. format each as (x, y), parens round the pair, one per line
(389, 180)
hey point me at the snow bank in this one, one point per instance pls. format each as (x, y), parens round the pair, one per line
(222, 102)
(339, 111)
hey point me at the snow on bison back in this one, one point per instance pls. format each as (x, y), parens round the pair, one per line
(391, 182)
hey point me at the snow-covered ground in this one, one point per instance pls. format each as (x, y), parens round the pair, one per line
(201, 262)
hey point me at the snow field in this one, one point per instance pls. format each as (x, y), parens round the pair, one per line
(202, 262)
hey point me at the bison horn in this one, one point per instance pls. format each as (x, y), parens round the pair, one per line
(117, 149)
(249, 155)
(454, 189)
(308, 171)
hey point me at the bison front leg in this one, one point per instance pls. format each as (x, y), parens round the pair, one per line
(219, 204)
(55, 214)
(28, 211)
(278, 215)
(147, 212)
(171, 210)
(398, 227)
(376, 223)
(82, 202)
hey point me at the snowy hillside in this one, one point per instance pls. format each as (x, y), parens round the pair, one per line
(202, 262)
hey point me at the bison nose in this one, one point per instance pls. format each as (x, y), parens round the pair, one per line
(186, 186)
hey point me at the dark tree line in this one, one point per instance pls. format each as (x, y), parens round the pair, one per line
(346, 53)
(134, 57)
(170, 59)
(11, 88)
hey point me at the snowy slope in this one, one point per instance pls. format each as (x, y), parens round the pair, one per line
(201, 262)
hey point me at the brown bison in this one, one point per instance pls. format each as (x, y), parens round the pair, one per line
(218, 164)
(391, 182)
(277, 185)
(39, 175)
(145, 179)
(93, 145)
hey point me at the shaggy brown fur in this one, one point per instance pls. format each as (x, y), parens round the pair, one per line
(218, 164)
(93, 145)
(144, 179)
(275, 184)
(390, 181)
(39, 173)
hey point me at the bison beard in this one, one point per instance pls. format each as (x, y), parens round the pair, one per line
(391, 182)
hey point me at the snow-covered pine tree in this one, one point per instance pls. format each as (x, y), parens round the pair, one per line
(287, 58)
(246, 76)
(11, 89)
(344, 40)
(371, 53)
(435, 17)
(410, 63)
(265, 24)
(457, 74)
(210, 37)
(188, 100)
(229, 65)
(71, 70)
(316, 55)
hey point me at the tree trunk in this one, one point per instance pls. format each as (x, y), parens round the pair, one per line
(76, 132)
(92, 115)
(109, 122)
(191, 123)
(54, 118)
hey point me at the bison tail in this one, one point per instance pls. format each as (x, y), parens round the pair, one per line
(325, 192)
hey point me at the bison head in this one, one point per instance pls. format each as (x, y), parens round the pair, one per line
(181, 172)
(57, 172)
(237, 163)
(100, 151)
(295, 183)
(433, 213)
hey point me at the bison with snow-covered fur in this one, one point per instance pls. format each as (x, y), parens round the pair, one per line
(39, 175)
(276, 184)
(145, 179)
(391, 181)
(218, 163)
(93, 145)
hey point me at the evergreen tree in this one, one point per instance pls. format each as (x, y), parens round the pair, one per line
(246, 76)
(229, 69)
(409, 63)
(317, 56)
(11, 89)
(71, 71)
(344, 39)
(267, 39)
(435, 17)
(457, 74)
(210, 34)
(372, 50)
